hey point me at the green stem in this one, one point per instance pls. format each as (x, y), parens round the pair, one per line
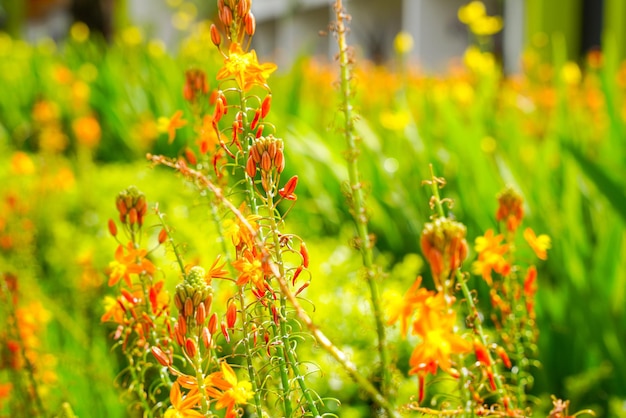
(357, 196)
(242, 303)
(197, 365)
(284, 334)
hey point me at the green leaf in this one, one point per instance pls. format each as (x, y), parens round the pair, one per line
(614, 192)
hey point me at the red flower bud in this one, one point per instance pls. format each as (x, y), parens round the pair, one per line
(231, 315)
(225, 332)
(160, 356)
(265, 106)
(287, 192)
(112, 227)
(216, 38)
(162, 235)
(190, 348)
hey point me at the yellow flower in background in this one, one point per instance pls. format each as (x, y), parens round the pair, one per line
(571, 74)
(79, 32)
(22, 164)
(471, 12)
(540, 244)
(132, 36)
(245, 68)
(171, 125)
(403, 43)
(395, 121)
(475, 17)
(478, 61)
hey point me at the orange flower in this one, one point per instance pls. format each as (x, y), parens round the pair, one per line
(491, 256)
(439, 342)
(540, 244)
(227, 390)
(239, 233)
(208, 139)
(182, 407)
(173, 124)
(134, 262)
(251, 269)
(244, 68)
(406, 308)
(87, 131)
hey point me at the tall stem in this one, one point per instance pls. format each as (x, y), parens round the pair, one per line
(291, 356)
(357, 196)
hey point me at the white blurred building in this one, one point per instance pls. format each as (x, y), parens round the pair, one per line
(288, 28)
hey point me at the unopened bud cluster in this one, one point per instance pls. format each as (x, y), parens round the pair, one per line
(193, 299)
(131, 205)
(195, 85)
(510, 209)
(444, 246)
(236, 17)
(266, 155)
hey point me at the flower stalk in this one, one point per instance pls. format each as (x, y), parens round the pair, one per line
(356, 194)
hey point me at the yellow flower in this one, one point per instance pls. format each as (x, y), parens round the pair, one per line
(231, 391)
(570, 73)
(244, 68)
(22, 164)
(403, 43)
(183, 407)
(471, 11)
(540, 244)
(486, 25)
(172, 124)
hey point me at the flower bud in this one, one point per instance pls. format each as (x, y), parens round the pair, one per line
(188, 311)
(112, 227)
(213, 323)
(249, 22)
(206, 337)
(200, 314)
(266, 162)
(231, 315)
(303, 251)
(216, 38)
(279, 161)
(162, 235)
(251, 167)
(160, 356)
(190, 348)
(225, 332)
(265, 106)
